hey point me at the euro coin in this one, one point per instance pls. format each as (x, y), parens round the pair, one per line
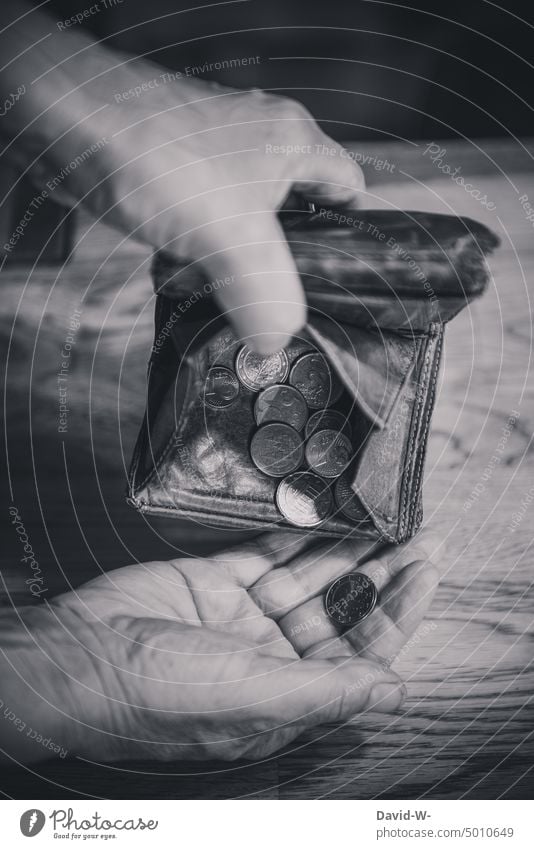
(328, 452)
(221, 387)
(328, 420)
(304, 499)
(281, 404)
(256, 372)
(350, 599)
(277, 449)
(312, 376)
(347, 502)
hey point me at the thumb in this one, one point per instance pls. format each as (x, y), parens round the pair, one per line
(264, 299)
(310, 692)
(348, 686)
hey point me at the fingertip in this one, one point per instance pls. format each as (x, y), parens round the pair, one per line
(267, 343)
(387, 697)
(266, 303)
(427, 573)
(272, 328)
(336, 180)
(425, 546)
(361, 676)
(432, 542)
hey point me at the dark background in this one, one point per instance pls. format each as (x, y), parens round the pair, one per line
(365, 68)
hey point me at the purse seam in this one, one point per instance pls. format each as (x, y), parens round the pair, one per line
(415, 431)
(414, 428)
(429, 396)
(436, 355)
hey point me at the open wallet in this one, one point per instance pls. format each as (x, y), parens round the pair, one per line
(380, 286)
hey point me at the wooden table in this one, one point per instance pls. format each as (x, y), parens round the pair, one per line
(467, 730)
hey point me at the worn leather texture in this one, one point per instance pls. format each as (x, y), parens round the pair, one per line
(380, 287)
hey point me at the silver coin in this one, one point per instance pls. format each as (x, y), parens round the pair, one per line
(350, 599)
(277, 449)
(256, 372)
(281, 403)
(328, 452)
(304, 499)
(328, 420)
(349, 503)
(312, 376)
(221, 387)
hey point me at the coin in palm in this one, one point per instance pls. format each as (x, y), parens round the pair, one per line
(350, 599)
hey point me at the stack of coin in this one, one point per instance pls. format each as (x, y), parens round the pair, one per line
(299, 437)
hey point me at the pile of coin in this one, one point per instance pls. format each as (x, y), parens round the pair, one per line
(299, 438)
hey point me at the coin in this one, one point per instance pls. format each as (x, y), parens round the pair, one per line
(350, 599)
(328, 420)
(328, 452)
(304, 499)
(221, 387)
(281, 404)
(256, 372)
(312, 376)
(276, 449)
(346, 501)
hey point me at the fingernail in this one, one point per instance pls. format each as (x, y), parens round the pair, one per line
(386, 697)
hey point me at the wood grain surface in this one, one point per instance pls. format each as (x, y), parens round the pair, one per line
(467, 728)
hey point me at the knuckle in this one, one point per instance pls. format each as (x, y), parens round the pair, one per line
(344, 706)
(287, 107)
(268, 595)
(298, 110)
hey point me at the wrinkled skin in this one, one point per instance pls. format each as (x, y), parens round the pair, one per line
(212, 658)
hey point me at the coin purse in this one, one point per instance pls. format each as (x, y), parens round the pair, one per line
(380, 287)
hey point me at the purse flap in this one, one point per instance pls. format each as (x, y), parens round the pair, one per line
(394, 270)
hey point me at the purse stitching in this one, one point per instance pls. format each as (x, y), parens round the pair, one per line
(415, 431)
(414, 427)
(435, 355)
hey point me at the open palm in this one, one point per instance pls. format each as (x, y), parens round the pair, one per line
(234, 656)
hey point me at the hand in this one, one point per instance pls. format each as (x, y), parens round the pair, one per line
(231, 656)
(189, 166)
(192, 167)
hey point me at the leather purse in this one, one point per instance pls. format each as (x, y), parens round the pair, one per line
(380, 287)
